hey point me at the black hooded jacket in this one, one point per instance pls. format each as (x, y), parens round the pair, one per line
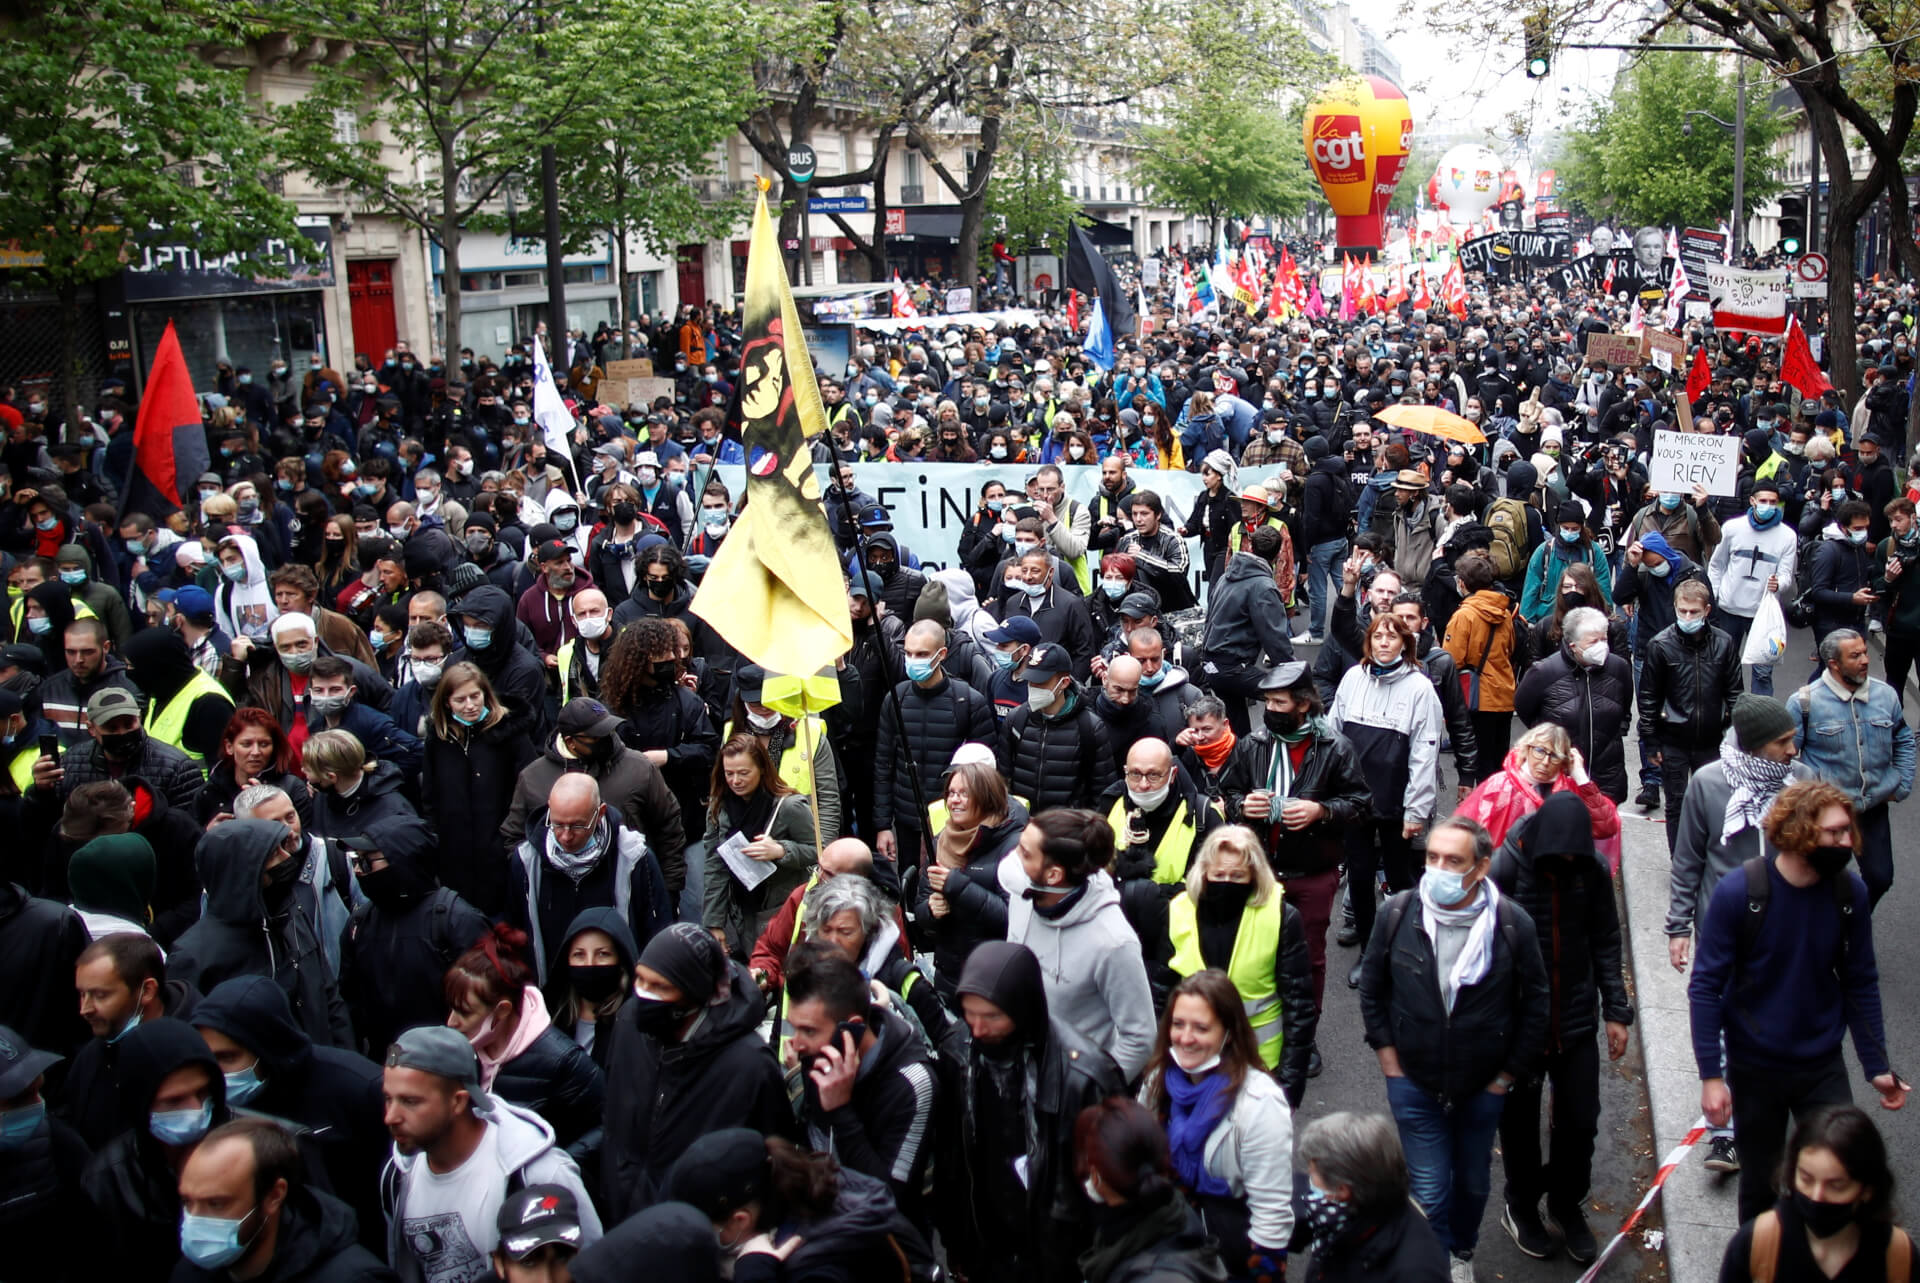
(675, 1240)
(43, 1206)
(1032, 1087)
(518, 677)
(133, 1186)
(402, 938)
(560, 995)
(335, 1095)
(316, 1245)
(1548, 866)
(39, 942)
(174, 836)
(241, 936)
(663, 1096)
(884, 1129)
(91, 1093)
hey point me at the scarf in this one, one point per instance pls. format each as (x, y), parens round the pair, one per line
(1195, 1108)
(1214, 756)
(1479, 916)
(748, 815)
(1124, 1232)
(1756, 782)
(575, 864)
(954, 844)
(534, 1021)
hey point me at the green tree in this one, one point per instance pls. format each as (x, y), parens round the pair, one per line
(1225, 154)
(1028, 205)
(1630, 158)
(463, 93)
(115, 133)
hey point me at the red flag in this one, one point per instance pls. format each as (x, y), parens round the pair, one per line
(1699, 378)
(1073, 311)
(1454, 287)
(1398, 294)
(1797, 365)
(1422, 297)
(169, 444)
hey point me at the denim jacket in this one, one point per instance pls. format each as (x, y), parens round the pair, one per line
(1862, 745)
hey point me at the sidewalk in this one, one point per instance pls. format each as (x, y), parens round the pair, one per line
(1697, 1206)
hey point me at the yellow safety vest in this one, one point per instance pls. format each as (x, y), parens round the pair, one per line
(80, 611)
(1082, 568)
(1233, 536)
(170, 723)
(21, 768)
(1176, 844)
(563, 661)
(796, 764)
(1256, 949)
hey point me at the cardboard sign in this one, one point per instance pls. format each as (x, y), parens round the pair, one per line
(1683, 460)
(1619, 351)
(625, 392)
(638, 368)
(1665, 350)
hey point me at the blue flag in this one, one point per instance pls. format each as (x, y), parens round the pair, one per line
(1099, 342)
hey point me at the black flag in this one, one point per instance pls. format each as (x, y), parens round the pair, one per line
(1089, 272)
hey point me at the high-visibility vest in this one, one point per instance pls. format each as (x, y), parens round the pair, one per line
(1176, 844)
(21, 767)
(170, 723)
(1239, 529)
(563, 661)
(1082, 567)
(796, 764)
(80, 611)
(1256, 949)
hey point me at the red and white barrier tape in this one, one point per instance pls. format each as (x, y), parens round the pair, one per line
(1672, 1160)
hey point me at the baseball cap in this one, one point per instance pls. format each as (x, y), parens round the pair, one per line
(111, 702)
(535, 1216)
(586, 717)
(749, 682)
(552, 550)
(20, 1063)
(1138, 605)
(21, 655)
(1015, 628)
(1046, 661)
(194, 602)
(441, 1051)
(720, 1173)
(866, 585)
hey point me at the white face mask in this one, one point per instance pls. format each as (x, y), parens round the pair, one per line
(1150, 801)
(1596, 654)
(593, 627)
(1199, 1067)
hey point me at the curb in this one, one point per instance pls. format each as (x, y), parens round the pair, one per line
(1697, 1208)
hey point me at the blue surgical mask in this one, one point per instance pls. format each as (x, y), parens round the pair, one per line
(478, 717)
(212, 1243)
(1443, 886)
(1037, 590)
(133, 1023)
(478, 637)
(236, 572)
(996, 505)
(245, 1085)
(180, 1126)
(1858, 536)
(73, 578)
(17, 1126)
(40, 627)
(1669, 501)
(1150, 680)
(1114, 588)
(1002, 659)
(1570, 536)
(137, 547)
(1765, 514)
(1690, 626)
(920, 669)
(1661, 571)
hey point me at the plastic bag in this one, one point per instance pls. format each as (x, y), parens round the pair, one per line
(1767, 638)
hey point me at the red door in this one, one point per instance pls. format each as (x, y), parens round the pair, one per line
(690, 263)
(370, 293)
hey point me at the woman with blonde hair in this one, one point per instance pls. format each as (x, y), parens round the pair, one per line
(1542, 761)
(350, 789)
(474, 755)
(1232, 916)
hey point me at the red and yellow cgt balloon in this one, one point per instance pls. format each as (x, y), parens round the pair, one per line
(1358, 135)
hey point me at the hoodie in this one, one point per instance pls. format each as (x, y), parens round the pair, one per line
(518, 678)
(1096, 980)
(245, 609)
(131, 1183)
(566, 1016)
(316, 1245)
(111, 881)
(676, 1242)
(550, 618)
(241, 935)
(441, 1209)
(335, 1095)
(101, 598)
(159, 662)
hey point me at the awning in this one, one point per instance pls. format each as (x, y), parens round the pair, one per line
(934, 223)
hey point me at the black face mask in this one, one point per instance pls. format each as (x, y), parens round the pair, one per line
(665, 673)
(660, 591)
(1572, 600)
(1824, 1220)
(655, 1017)
(596, 982)
(886, 570)
(1830, 861)
(123, 746)
(392, 888)
(624, 514)
(1281, 723)
(1225, 900)
(280, 880)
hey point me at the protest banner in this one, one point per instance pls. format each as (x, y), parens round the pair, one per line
(1540, 247)
(1698, 248)
(638, 368)
(1683, 460)
(1667, 352)
(1753, 301)
(1619, 351)
(1482, 252)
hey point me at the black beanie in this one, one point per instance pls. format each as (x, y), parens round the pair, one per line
(690, 957)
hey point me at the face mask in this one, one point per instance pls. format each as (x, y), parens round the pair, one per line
(479, 637)
(1595, 655)
(1443, 886)
(1022, 547)
(478, 717)
(1858, 536)
(596, 982)
(519, 420)
(123, 746)
(331, 705)
(1794, 447)
(566, 522)
(73, 578)
(17, 1126)
(181, 1126)
(46, 523)
(296, 661)
(1824, 1220)
(1570, 536)
(40, 627)
(715, 521)
(1114, 588)
(1201, 1067)
(245, 1085)
(1035, 591)
(653, 1016)
(593, 627)
(647, 476)
(1765, 514)
(1830, 861)
(1040, 697)
(1004, 659)
(1669, 501)
(764, 721)
(1281, 724)
(1150, 801)
(1326, 1215)
(211, 1243)
(1690, 626)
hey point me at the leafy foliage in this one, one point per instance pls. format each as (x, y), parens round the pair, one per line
(1225, 154)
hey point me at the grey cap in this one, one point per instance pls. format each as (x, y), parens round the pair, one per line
(867, 585)
(441, 1051)
(1285, 676)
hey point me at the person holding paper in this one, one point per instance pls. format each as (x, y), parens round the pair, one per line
(1755, 557)
(762, 831)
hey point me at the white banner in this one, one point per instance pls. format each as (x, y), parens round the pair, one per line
(931, 503)
(1755, 302)
(1683, 460)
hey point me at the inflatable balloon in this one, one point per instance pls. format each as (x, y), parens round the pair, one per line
(1357, 138)
(1467, 182)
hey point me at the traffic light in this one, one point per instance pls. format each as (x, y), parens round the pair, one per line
(1793, 224)
(1539, 45)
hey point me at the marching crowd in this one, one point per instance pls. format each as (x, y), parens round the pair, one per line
(353, 800)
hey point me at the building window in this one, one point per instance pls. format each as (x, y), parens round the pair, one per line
(511, 279)
(585, 274)
(346, 127)
(477, 281)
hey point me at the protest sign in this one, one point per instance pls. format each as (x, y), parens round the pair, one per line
(1619, 351)
(1482, 252)
(638, 368)
(1698, 249)
(1683, 460)
(1666, 351)
(1538, 248)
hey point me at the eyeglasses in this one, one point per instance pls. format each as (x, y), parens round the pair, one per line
(1146, 777)
(574, 826)
(1544, 753)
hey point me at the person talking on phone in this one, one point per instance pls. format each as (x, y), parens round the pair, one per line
(1841, 584)
(1297, 783)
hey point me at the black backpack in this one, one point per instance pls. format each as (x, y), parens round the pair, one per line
(1799, 611)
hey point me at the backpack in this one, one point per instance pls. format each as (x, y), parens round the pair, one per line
(1507, 518)
(439, 925)
(1800, 610)
(1763, 1252)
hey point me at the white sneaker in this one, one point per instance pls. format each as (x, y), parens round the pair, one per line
(1459, 1271)
(1875, 626)
(1301, 638)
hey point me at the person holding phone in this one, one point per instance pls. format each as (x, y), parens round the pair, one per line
(1841, 584)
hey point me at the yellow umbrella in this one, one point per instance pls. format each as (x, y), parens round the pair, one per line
(1433, 421)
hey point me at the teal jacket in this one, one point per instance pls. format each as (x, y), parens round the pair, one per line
(1550, 561)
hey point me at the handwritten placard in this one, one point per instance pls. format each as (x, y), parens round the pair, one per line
(1683, 460)
(1619, 351)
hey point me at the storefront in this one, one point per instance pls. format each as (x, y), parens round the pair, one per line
(503, 289)
(222, 311)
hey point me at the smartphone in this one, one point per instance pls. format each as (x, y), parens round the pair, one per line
(854, 1029)
(50, 747)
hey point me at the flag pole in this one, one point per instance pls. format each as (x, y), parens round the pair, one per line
(806, 734)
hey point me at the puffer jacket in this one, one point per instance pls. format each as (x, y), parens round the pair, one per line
(937, 722)
(1480, 639)
(1840, 569)
(1330, 775)
(1062, 759)
(1594, 705)
(1688, 683)
(1497, 1024)
(1547, 867)
(557, 1079)
(976, 904)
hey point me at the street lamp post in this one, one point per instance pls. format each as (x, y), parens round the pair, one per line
(1738, 128)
